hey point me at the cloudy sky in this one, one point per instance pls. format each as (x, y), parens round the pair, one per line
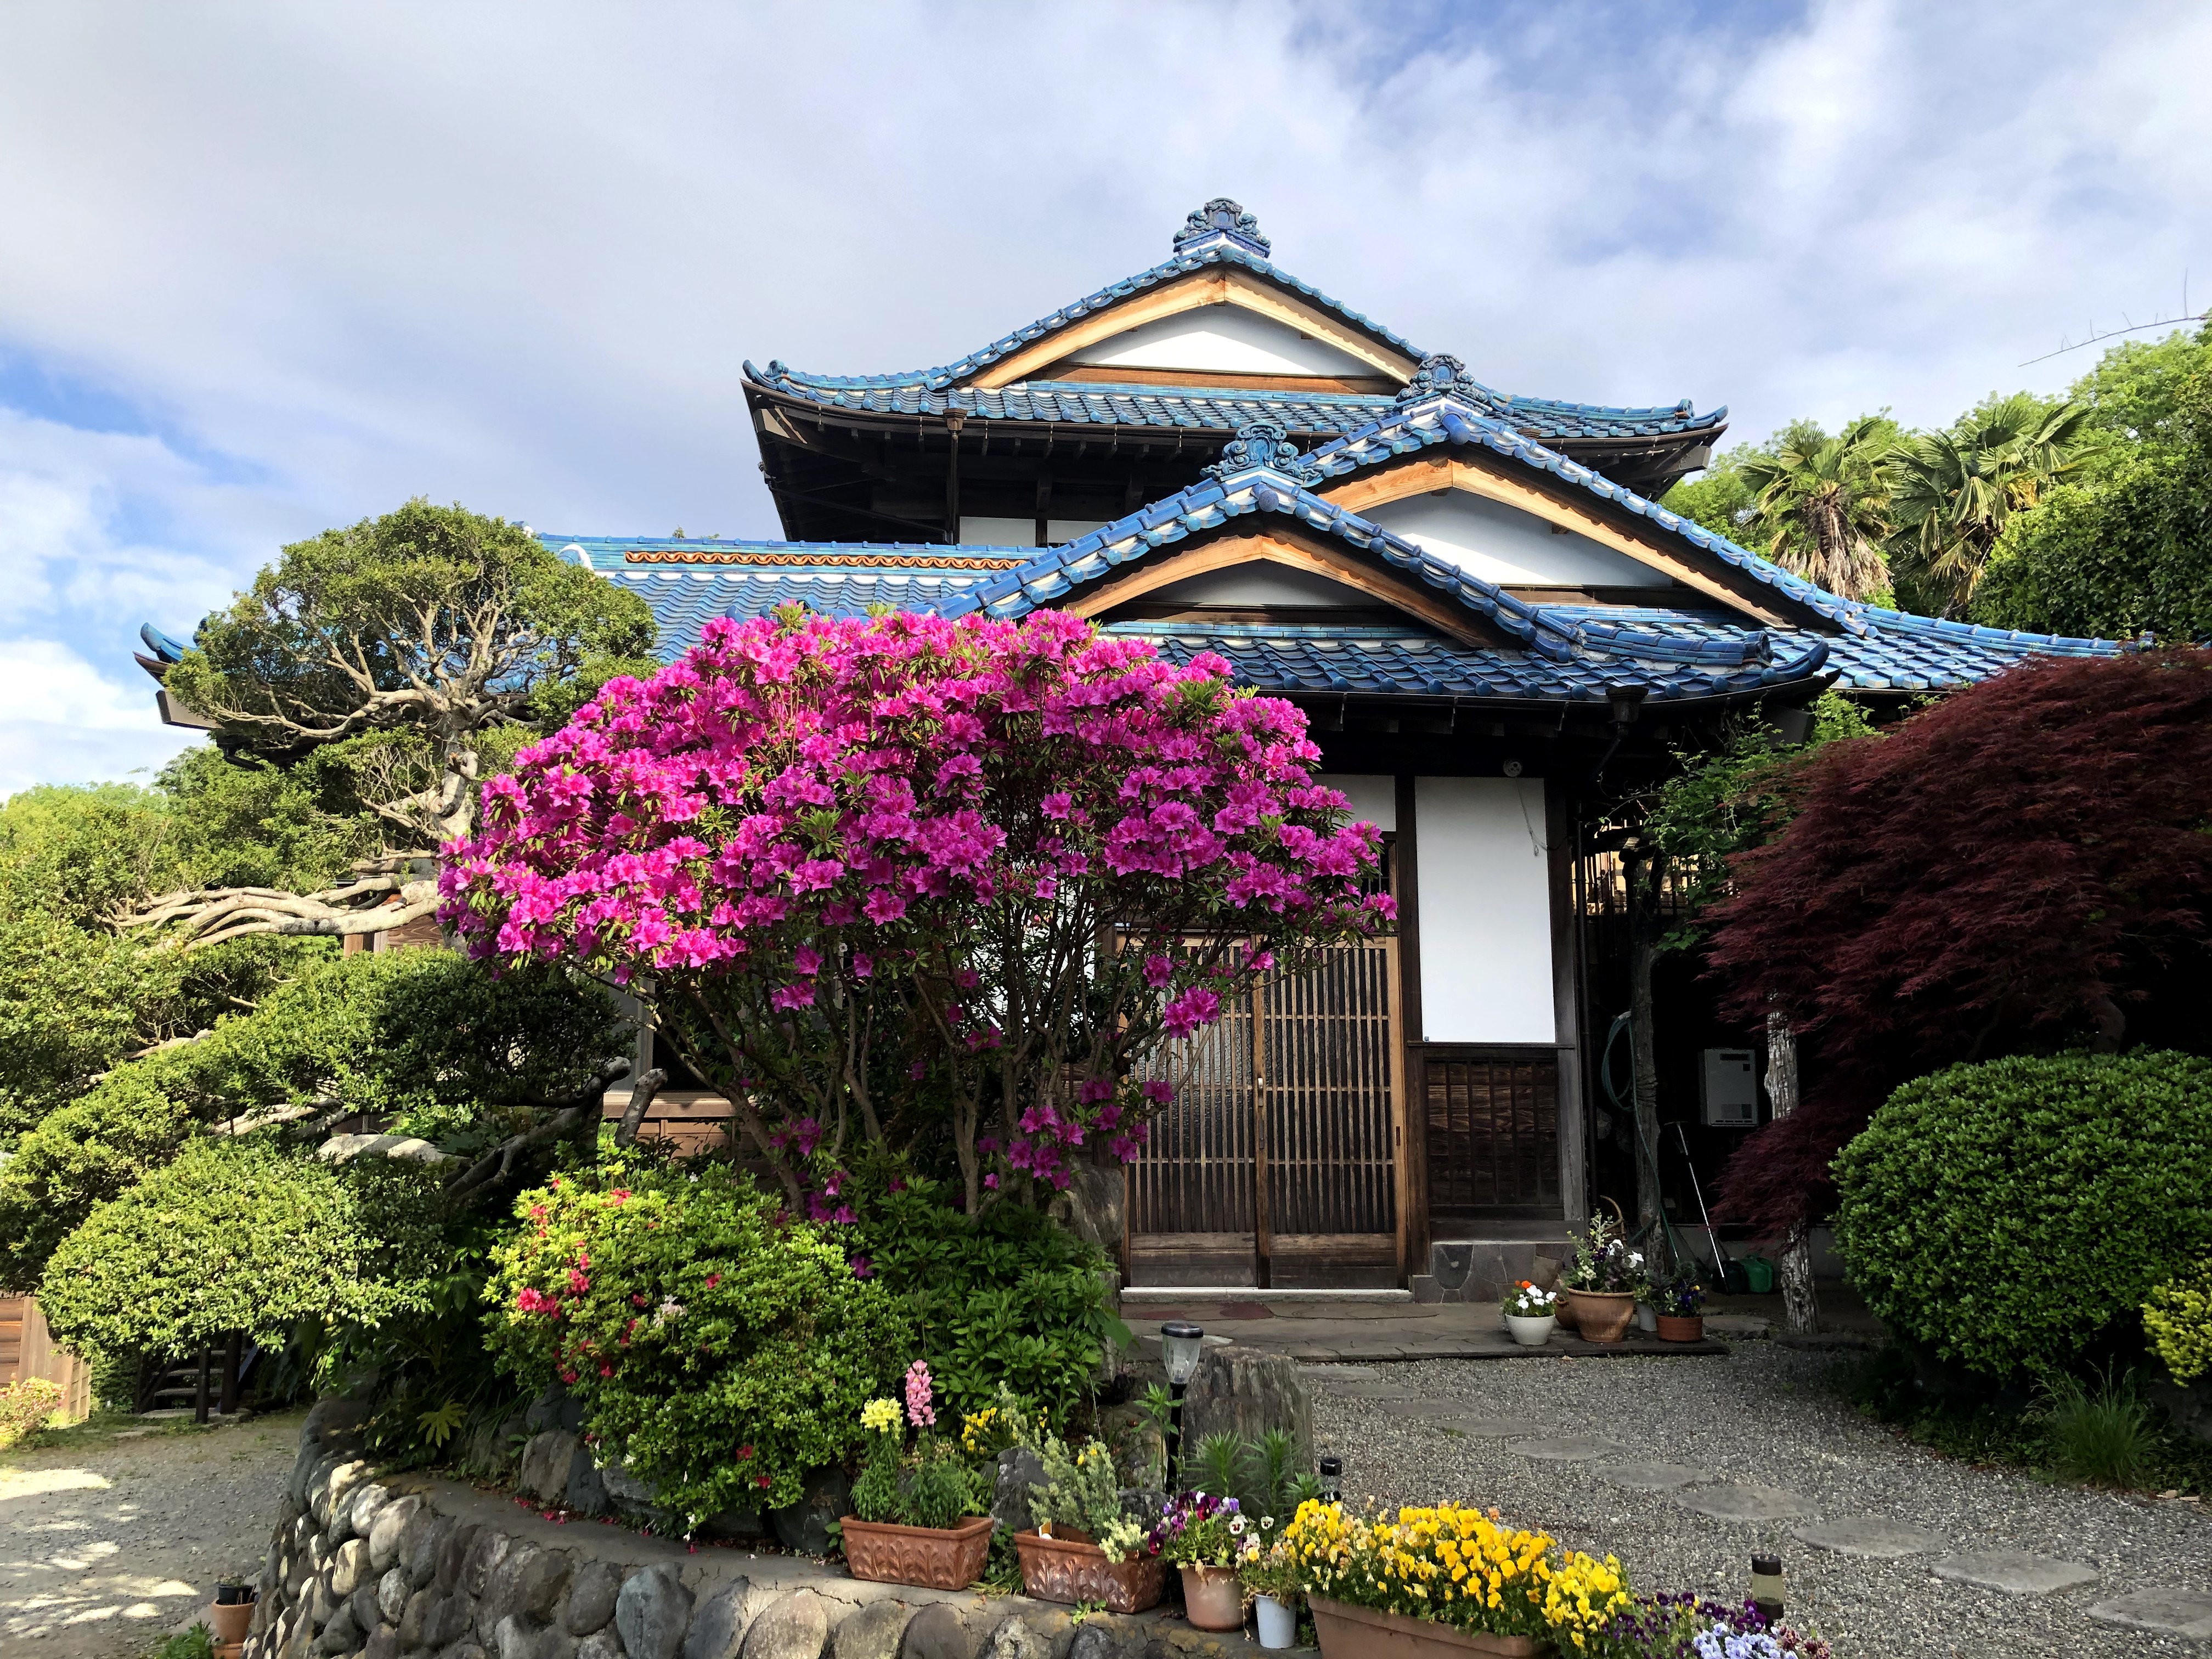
(265, 269)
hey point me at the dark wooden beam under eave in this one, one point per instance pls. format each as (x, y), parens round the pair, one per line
(1560, 845)
(1413, 1218)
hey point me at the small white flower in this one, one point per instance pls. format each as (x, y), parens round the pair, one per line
(1235, 1524)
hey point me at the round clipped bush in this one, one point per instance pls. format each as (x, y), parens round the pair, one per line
(2005, 1214)
(722, 1350)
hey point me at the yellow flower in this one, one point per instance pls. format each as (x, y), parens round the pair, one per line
(881, 1416)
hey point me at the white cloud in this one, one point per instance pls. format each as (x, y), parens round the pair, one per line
(63, 721)
(516, 255)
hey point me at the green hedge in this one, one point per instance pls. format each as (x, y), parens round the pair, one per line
(2006, 1214)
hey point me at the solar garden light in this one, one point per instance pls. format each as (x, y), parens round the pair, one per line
(1332, 1480)
(1766, 1587)
(1181, 1344)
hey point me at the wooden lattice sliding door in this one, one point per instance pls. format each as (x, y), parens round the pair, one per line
(1279, 1161)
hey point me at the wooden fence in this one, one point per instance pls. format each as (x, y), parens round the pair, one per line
(27, 1350)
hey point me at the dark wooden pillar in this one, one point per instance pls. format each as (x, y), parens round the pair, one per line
(1415, 1151)
(234, 1353)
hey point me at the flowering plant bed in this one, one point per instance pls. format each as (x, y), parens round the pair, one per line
(1197, 1529)
(1527, 1300)
(919, 1519)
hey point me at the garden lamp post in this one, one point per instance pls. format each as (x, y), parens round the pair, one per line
(1766, 1587)
(1181, 1343)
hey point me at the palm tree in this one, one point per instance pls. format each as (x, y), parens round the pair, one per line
(1953, 493)
(1823, 503)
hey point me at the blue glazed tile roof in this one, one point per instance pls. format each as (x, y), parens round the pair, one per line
(1556, 651)
(934, 391)
(1086, 403)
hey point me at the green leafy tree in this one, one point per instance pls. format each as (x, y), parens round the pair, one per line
(1954, 493)
(1822, 505)
(237, 1234)
(2134, 392)
(486, 1070)
(2129, 551)
(418, 638)
(76, 998)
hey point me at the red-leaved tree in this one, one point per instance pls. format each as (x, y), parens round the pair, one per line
(2012, 868)
(891, 881)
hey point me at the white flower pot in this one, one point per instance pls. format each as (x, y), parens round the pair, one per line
(1647, 1316)
(1531, 1333)
(1279, 1625)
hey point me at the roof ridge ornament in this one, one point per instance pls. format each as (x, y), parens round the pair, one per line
(1222, 223)
(1439, 372)
(1264, 443)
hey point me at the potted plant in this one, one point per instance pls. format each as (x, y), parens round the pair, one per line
(1445, 1583)
(1268, 1569)
(1203, 1534)
(1530, 1314)
(1682, 1309)
(1603, 1281)
(1084, 1549)
(921, 1517)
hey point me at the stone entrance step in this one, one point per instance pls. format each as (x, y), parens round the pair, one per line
(1479, 1269)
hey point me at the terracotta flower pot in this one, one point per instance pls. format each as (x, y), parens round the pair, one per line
(1350, 1633)
(228, 1620)
(1602, 1315)
(1213, 1599)
(1681, 1327)
(1564, 1311)
(935, 1558)
(1071, 1568)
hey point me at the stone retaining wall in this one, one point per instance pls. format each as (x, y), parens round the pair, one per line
(417, 1566)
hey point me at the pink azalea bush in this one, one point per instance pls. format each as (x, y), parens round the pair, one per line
(882, 878)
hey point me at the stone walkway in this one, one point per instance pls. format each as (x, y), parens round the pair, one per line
(1684, 1470)
(1350, 1329)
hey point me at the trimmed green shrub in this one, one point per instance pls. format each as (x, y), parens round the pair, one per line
(721, 1350)
(25, 1405)
(236, 1235)
(2005, 1214)
(1005, 1298)
(2177, 1319)
(83, 1155)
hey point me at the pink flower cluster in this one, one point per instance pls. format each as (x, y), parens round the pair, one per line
(919, 1390)
(812, 812)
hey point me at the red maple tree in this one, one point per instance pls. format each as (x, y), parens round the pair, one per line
(2021, 866)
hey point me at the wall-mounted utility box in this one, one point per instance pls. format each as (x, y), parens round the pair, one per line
(1730, 1088)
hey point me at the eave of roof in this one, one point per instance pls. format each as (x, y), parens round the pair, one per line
(1091, 402)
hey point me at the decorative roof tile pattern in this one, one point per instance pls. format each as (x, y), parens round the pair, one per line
(1087, 402)
(1576, 651)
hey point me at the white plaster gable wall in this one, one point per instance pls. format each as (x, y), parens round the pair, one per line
(1224, 339)
(1260, 582)
(1508, 546)
(1486, 911)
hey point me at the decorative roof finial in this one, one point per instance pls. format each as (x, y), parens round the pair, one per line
(1263, 443)
(1221, 222)
(1438, 374)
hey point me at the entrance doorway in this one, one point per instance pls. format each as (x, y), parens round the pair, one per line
(1280, 1162)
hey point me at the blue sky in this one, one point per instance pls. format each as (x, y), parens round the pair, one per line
(272, 268)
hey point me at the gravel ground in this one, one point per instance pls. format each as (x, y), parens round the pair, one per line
(1765, 1416)
(111, 1540)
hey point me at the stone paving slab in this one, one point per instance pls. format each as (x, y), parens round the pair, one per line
(1869, 1536)
(2016, 1572)
(1378, 1387)
(1734, 1503)
(2169, 1613)
(1332, 1373)
(1476, 1426)
(1653, 1477)
(1570, 1449)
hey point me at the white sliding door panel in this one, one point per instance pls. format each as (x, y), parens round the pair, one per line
(1486, 911)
